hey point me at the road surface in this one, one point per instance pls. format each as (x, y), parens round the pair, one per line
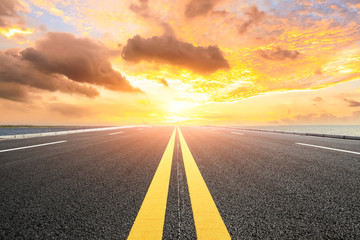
(205, 182)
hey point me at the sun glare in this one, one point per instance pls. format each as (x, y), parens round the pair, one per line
(10, 32)
(179, 111)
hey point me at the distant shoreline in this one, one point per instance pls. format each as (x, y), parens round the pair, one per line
(46, 126)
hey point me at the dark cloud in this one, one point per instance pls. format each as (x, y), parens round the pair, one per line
(142, 8)
(353, 103)
(8, 10)
(13, 91)
(168, 30)
(16, 74)
(253, 16)
(197, 8)
(170, 50)
(318, 99)
(278, 54)
(69, 110)
(79, 59)
(60, 62)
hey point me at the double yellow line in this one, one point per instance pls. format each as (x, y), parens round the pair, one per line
(149, 222)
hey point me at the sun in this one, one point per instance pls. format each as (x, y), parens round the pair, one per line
(179, 111)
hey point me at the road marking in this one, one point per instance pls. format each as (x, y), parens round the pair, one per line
(328, 148)
(239, 133)
(149, 222)
(32, 146)
(208, 222)
(115, 133)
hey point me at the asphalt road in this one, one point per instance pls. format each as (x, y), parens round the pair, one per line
(265, 185)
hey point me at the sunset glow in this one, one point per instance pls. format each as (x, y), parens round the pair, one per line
(219, 62)
(12, 31)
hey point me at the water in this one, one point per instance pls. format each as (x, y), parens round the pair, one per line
(27, 130)
(348, 130)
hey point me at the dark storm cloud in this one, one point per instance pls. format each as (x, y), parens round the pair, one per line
(253, 16)
(80, 59)
(166, 49)
(8, 9)
(353, 103)
(278, 54)
(197, 8)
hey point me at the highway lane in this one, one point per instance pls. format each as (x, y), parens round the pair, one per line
(267, 187)
(264, 185)
(90, 187)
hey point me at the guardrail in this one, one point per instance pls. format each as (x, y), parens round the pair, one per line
(305, 134)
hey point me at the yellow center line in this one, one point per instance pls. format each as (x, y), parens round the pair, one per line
(208, 222)
(149, 222)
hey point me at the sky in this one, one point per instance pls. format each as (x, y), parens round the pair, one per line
(166, 62)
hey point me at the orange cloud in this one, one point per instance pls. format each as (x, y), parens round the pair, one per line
(253, 16)
(197, 8)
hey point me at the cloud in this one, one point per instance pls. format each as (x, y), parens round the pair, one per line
(8, 13)
(69, 110)
(163, 82)
(278, 54)
(60, 62)
(324, 118)
(79, 59)
(197, 8)
(16, 75)
(222, 13)
(318, 99)
(318, 71)
(167, 49)
(141, 9)
(254, 16)
(13, 91)
(353, 103)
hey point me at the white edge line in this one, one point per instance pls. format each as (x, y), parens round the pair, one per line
(328, 148)
(31, 135)
(32, 146)
(237, 133)
(115, 133)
